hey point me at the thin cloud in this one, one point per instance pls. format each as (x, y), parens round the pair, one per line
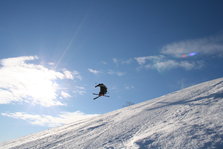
(161, 63)
(117, 73)
(170, 54)
(51, 63)
(104, 62)
(142, 60)
(48, 120)
(23, 81)
(115, 60)
(128, 61)
(76, 75)
(94, 71)
(171, 64)
(129, 87)
(69, 75)
(207, 46)
(65, 94)
(80, 90)
(121, 61)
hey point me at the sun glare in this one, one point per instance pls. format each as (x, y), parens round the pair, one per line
(31, 83)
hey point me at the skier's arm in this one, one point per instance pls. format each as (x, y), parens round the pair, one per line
(101, 85)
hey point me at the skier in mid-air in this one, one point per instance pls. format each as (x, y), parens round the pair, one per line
(103, 90)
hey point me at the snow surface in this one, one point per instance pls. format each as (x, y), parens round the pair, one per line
(191, 118)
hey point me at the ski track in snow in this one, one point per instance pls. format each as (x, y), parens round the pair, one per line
(190, 119)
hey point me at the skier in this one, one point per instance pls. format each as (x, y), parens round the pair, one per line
(103, 90)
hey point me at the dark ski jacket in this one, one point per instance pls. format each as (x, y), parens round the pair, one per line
(103, 89)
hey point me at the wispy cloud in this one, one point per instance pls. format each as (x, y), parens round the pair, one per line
(48, 120)
(94, 71)
(170, 64)
(143, 59)
(161, 63)
(129, 87)
(51, 63)
(177, 55)
(104, 62)
(115, 60)
(72, 75)
(65, 94)
(118, 73)
(121, 61)
(23, 81)
(80, 90)
(75, 74)
(207, 46)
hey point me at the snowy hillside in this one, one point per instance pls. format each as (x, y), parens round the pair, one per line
(191, 118)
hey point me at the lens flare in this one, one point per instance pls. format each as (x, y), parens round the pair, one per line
(184, 55)
(192, 53)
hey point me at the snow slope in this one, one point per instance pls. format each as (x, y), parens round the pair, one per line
(191, 118)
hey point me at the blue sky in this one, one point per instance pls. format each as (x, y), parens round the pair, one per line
(54, 52)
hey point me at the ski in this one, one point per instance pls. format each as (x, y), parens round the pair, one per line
(96, 97)
(99, 96)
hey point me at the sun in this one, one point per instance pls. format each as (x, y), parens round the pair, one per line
(31, 83)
